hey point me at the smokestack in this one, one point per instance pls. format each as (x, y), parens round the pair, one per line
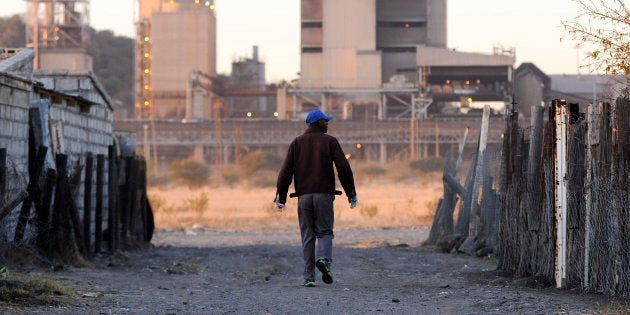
(255, 54)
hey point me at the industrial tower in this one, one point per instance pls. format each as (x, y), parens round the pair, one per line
(57, 30)
(176, 49)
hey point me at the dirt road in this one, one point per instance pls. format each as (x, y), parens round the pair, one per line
(376, 271)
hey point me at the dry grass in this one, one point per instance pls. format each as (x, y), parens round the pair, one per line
(24, 289)
(387, 201)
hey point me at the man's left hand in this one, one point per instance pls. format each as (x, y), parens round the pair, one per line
(354, 201)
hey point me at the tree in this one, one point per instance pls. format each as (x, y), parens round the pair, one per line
(605, 25)
(113, 63)
(189, 172)
(12, 32)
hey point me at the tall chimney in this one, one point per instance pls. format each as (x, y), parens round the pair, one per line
(255, 55)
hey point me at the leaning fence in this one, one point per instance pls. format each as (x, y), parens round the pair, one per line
(559, 209)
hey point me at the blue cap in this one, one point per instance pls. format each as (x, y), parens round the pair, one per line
(316, 115)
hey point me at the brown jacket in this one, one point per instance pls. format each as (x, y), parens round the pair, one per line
(310, 161)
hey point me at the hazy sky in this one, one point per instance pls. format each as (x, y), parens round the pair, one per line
(533, 27)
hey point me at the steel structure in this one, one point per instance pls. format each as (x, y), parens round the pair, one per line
(384, 138)
(57, 32)
(143, 52)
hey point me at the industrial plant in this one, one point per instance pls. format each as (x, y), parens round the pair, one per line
(382, 68)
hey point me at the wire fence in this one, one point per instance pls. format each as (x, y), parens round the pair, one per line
(40, 208)
(597, 190)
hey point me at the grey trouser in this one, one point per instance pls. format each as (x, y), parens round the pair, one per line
(316, 217)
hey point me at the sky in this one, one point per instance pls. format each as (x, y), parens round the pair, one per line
(532, 27)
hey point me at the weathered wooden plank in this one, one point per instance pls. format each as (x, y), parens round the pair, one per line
(87, 205)
(98, 211)
(33, 192)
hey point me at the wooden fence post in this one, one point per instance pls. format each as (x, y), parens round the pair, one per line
(590, 141)
(3, 174)
(32, 190)
(479, 172)
(560, 180)
(473, 206)
(135, 214)
(87, 205)
(113, 189)
(42, 219)
(533, 195)
(98, 215)
(60, 203)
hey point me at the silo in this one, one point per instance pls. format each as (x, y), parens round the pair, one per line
(180, 39)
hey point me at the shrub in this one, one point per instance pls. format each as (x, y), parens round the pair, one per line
(432, 206)
(157, 180)
(157, 203)
(260, 160)
(197, 205)
(369, 211)
(370, 171)
(189, 172)
(430, 164)
(230, 175)
(264, 179)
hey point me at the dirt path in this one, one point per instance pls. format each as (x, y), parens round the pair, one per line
(376, 271)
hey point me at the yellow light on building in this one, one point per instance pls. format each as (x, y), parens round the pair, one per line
(348, 156)
(146, 71)
(212, 7)
(146, 103)
(146, 55)
(196, 1)
(146, 87)
(146, 38)
(359, 146)
(469, 100)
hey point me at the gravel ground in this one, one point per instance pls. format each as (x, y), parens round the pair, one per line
(375, 271)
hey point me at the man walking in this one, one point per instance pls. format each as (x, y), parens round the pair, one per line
(309, 162)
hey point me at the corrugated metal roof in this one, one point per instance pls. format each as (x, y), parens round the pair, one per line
(434, 56)
(579, 83)
(16, 61)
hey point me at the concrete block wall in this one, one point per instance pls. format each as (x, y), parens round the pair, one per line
(77, 132)
(82, 132)
(14, 105)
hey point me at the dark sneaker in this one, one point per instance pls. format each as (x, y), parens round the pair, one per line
(309, 283)
(324, 266)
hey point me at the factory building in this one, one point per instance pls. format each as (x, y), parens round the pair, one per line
(176, 59)
(246, 93)
(388, 59)
(361, 44)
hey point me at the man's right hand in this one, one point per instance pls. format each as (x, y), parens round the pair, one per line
(354, 200)
(279, 205)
